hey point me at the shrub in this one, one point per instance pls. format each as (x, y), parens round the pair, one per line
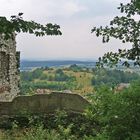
(118, 114)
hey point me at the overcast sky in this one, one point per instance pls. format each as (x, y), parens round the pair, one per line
(76, 18)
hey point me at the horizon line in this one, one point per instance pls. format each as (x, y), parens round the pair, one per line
(59, 59)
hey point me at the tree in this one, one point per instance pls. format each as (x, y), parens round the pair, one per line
(127, 29)
(118, 115)
(17, 24)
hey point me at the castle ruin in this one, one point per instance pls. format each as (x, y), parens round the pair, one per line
(9, 69)
(36, 104)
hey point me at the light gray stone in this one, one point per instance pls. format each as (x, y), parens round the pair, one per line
(9, 69)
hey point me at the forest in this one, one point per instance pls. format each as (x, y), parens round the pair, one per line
(71, 78)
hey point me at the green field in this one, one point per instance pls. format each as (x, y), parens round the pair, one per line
(72, 79)
(60, 80)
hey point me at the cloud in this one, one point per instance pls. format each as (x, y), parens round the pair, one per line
(71, 8)
(75, 43)
(76, 18)
(42, 8)
(61, 8)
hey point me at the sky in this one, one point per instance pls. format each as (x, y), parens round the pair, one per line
(76, 19)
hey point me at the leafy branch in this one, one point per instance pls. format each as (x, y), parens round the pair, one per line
(17, 24)
(127, 29)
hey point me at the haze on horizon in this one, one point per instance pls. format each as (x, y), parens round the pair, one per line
(76, 19)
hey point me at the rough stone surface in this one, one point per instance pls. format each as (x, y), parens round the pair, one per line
(9, 69)
(44, 104)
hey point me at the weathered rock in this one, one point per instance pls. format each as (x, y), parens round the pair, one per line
(9, 69)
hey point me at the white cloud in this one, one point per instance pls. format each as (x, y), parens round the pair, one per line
(71, 8)
(35, 9)
(76, 41)
(61, 8)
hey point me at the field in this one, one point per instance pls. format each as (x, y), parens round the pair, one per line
(72, 79)
(82, 83)
(69, 80)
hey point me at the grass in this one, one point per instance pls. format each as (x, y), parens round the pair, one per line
(82, 82)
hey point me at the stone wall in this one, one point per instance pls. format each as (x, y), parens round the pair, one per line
(9, 69)
(44, 104)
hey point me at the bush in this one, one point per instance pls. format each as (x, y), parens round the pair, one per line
(118, 114)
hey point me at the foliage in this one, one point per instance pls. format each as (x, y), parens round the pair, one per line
(39, 133)
(17, 24)
(56, 79)
(38, 73)
(27, 87)
(111, 116)
(75, 68)
(112, 77)
(127, 29)
(61, 76)
(31, 75)
(118, 114)
(80, 81)
(60, 125)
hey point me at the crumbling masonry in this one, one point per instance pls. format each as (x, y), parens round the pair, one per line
(9, 69)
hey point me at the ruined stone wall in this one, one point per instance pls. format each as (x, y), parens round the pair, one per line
(9, 69)
(44, 104)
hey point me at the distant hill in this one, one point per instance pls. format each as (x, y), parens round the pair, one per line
(29, 65)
